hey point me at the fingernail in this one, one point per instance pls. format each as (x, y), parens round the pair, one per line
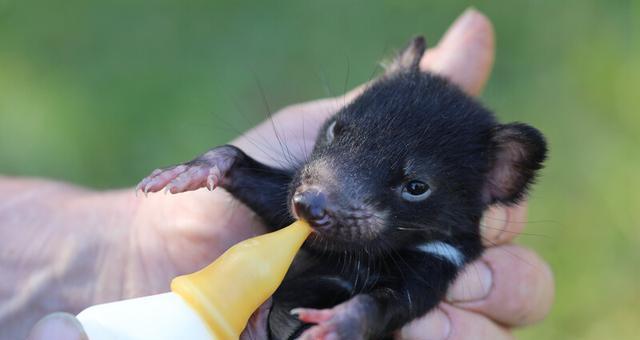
(57, 326)
(465, 19)
(434, 326)
(493, 224)
(473, 284)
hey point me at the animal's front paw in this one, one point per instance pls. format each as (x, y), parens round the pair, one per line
(348, 320)
(208, 170)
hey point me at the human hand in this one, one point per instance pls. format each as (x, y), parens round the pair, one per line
(163, 236)
(57, 326)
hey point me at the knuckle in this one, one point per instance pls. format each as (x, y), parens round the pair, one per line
(524, 285)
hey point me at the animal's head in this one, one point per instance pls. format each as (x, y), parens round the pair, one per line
(412, 159)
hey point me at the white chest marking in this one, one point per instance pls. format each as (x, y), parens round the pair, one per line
(444, 251)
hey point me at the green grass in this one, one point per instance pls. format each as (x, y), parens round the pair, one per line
(99, 93)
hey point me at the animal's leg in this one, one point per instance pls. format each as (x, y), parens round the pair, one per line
(263, 188)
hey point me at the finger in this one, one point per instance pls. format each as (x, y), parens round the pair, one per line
(466, 52)
(55, 326)
(501, 224)
(509, 284)
(464, 55)
(451, 323)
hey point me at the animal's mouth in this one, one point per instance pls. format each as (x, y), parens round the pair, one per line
(351, 222)
(323, 223)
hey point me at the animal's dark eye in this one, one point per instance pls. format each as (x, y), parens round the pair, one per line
(331, 131)
(416, 191)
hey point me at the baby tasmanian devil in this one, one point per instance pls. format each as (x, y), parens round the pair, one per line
(394, 189)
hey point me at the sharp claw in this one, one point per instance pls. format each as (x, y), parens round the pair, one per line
(180, 178)
(214, 178)
(139, 186)
(212, 182)
(295, 311)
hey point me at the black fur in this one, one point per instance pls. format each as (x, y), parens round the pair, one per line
(409, 125)
(408, 118)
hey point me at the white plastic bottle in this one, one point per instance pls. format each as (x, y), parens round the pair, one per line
(159, 317)
(213, 303)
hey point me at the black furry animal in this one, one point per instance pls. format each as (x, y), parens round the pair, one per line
(394, 188)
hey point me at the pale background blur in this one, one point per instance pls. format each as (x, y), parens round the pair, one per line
(101, 92)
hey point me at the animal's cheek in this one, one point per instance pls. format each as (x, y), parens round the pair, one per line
(368, 223)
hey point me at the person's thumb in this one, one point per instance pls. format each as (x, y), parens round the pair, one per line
(465, 53)
(57, 326)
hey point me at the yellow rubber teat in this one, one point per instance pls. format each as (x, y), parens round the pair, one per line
(229, 290)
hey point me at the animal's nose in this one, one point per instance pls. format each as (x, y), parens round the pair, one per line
(311, 205)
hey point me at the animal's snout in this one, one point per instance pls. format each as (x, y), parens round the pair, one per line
(311, 205)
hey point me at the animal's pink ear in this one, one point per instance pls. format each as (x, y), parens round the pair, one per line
(409, 58)
(517, 154)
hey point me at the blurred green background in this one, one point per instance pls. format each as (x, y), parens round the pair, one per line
(100, 92)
